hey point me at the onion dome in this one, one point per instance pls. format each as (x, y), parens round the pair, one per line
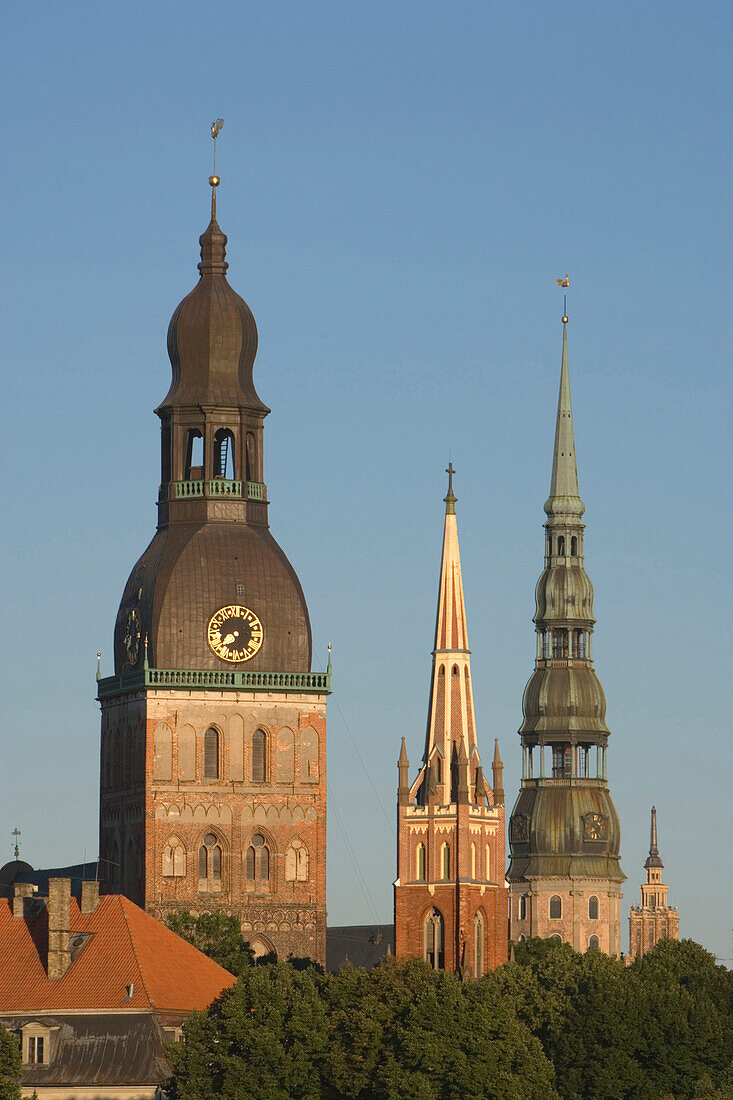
(212, 336)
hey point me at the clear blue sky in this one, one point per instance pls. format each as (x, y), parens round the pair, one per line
(402, 184)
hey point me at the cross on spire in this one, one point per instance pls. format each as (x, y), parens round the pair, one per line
(16, 835)
(450, 499)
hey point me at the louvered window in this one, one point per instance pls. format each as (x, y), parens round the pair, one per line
(259, 745)
(211, 754)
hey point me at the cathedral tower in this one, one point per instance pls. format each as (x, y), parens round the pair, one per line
(213, 748)
(654, 919)
(564, 874)
(450, 896)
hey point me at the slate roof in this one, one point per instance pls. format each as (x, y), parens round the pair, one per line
(358, 944)
(105, 1051)
(116, 946)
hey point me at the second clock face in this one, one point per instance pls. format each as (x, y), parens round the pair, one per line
(234, 633)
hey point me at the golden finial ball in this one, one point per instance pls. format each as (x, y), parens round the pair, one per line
(565, 320)
(214, 181)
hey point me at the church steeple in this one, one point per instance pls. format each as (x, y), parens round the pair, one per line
(450, 897)
(564, 827)
(451, 721)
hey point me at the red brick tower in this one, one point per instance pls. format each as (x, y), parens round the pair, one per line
(450, 894)
(213, 754)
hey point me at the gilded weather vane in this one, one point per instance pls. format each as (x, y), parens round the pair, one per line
(215, 131)
(564, 283)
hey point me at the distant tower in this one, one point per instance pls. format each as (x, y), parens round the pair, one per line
(213, 761)
(564, 874)
(653, 920)
(450, 896)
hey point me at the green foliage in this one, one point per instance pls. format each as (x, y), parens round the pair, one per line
(552, 1024)
(10, 1066)
(216, 935)
(398, 1031)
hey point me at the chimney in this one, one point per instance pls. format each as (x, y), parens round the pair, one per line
(89, 896)
(23, 890)
(59, 926)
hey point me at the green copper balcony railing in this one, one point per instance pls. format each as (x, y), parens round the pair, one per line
(215, 487)
(222, 679)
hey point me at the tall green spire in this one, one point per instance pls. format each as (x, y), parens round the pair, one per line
(564, 499)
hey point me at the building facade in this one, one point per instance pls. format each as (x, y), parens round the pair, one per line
(450, 897)
(213, 740)
(94, 989)
(564, 873)
(654, 919)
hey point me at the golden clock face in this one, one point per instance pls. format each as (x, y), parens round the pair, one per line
(595, 827)
(132, 636)
(234, 633)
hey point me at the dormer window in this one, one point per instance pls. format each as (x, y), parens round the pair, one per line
(36, 1044)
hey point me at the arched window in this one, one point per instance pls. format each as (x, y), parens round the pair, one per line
(455, 670)
(574, 546)
(210, 864)
(174, 858)
(559, 643)
(555, 907)
(555, 938)
(434, 940)
(259, 756)
(211, 753)
(594, 944)
(420, 863)
(561, 546)
(308, 748)
(473, 861)
(523, 907)
(224, 454)
(194, 470)
(478, 944)
(593, 908)
(652, 900)
(257, 862)
(438, 767)
(487, 868)
(445, 861)
(296, 862)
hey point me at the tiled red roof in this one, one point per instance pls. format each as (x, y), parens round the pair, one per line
(126, 947)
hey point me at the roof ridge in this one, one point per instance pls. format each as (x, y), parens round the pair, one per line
(122, 900)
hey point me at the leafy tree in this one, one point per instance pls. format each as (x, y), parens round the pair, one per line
(265, 1037)
(216, 935)
(10, 1066)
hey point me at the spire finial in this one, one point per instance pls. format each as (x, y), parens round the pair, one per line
(99, 665)
(450, 499)
(16, 836)
(213, 178)
(564, 283)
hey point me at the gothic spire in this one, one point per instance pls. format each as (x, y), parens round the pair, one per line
(653, 859)
(451, 722)
(451, 631)
(564, 499)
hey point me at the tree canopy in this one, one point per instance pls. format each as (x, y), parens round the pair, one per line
(552, 1025)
